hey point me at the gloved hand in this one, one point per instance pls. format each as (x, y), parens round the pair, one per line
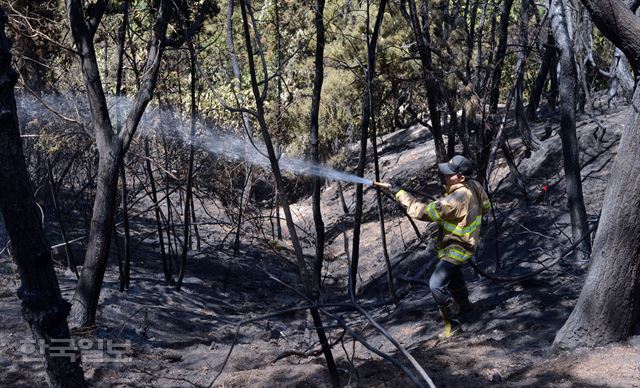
(402, 196)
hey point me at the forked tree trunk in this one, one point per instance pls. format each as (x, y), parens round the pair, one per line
(568, 87)
(608, 308)
(111, 145)
(85, 299)
(43, 307)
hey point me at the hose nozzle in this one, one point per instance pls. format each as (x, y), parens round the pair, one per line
(382, 185)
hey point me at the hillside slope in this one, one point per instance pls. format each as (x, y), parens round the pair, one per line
(183, 338)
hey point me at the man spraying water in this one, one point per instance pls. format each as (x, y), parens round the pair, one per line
(459, 216)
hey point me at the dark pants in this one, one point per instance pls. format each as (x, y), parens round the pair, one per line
(447, 284)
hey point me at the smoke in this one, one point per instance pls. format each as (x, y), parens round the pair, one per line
(47, 113)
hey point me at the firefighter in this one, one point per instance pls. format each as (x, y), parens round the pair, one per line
(459, 216)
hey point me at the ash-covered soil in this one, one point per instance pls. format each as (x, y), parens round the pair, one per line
(249, 302)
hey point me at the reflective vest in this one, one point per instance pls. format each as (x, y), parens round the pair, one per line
(459, 216)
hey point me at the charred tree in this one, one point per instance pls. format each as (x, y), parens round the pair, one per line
(421, 31)
(186, 231)
(314, 142)
(111, 145)
(568, 89)
(547, 65)
(500, 56)
(126, 269)
(621, 81)
(608, 308)
(43, 307)
(259, 114)
(246, 122)
(364, 130)
(71, 263)
(168, 278)
(523, 52)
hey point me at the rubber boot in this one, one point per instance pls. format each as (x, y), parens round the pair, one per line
(451, 322)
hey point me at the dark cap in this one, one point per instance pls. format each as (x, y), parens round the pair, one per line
(457, 165)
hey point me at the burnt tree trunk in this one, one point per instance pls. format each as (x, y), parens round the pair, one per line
(314, 141)
(608, 308)
(246, 122)
(421, 31)
(126, 270)
(501, 53)
(568, 89)
(528, 139)
(186, 231)
(111, 145)
(259, 114)
(609, 304)
(156, 205)
(364, 130)
(43, 307)
(548, 61)
(71, 263)
(621, 80)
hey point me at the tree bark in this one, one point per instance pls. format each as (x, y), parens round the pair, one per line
(619, 24)
(422, 34)
(189, 189)
(314, 142)
(608, 308)
(521, 118)
(501, 52)
(568, 87)
(548, 61)
(364, 129)
(85, 298)
(620, 78)
(43, 307)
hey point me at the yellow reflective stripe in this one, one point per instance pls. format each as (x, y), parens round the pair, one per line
(454, 254)
(458, 231)
(432, 213)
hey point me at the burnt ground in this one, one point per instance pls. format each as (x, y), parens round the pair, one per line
(183, 338)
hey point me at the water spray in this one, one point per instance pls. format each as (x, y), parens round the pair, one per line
(172, 124)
